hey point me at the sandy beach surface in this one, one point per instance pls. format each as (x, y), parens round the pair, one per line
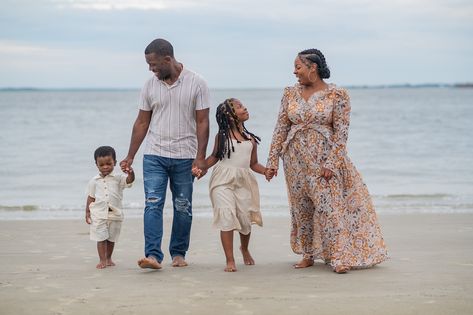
(48, 267)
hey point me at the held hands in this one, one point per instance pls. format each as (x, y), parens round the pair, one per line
(269, 173)
(199, 168)
(197, 172)
(125, 165)
(128, 170)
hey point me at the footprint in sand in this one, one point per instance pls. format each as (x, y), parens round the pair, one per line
(57, 257)
(33, 289)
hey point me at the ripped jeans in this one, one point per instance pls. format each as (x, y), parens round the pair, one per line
(157, 171)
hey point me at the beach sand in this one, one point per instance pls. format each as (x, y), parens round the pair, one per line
(48, 267)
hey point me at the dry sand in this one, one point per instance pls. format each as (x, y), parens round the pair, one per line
(48, 267)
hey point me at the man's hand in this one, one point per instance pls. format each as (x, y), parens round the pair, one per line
(201, 165)
(125, 165)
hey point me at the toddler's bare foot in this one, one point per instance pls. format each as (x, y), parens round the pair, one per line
(230, 267)
(304, 263)
(178, 261)
(110, 262)
(101, 265)
(149, 262)
(247, 259)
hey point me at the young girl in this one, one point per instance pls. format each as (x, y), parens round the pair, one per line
(233, 188)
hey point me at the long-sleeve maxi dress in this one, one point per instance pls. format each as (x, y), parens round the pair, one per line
(332, 220)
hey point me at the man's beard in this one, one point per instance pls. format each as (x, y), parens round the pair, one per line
(163, 76)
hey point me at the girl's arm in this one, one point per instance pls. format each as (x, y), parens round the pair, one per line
(212, 160)
(254, 164)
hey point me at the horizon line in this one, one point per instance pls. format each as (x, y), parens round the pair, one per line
(352, 86)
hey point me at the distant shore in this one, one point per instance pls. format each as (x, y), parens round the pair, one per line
(48, 267)
(381, 86)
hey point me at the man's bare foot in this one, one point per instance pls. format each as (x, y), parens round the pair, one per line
(149, 262)
(178, 261)
(304, 263)
(230, 267)
(110, 263)
(247, 259)
(101, 265)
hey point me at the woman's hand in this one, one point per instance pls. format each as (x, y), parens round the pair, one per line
(326, 173)
(269, 173)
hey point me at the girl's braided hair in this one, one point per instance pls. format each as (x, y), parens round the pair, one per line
(227, 120)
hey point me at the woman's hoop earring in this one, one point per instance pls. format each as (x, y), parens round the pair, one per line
(314, 79)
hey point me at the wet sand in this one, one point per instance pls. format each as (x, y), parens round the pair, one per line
(48, 267)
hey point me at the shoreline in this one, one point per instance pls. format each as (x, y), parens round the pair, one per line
(48, 267)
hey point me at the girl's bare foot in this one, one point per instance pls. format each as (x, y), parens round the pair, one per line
(247, 259)
(231, 267)
(110, 263)
(101, 265)
(304, 263)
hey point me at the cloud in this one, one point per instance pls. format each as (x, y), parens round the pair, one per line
(244, 43)
(102, 5)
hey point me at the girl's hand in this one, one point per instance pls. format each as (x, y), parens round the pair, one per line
(269, 173)
(326, 173)
(197, 172)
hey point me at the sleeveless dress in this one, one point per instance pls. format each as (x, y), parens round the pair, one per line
(234, 191)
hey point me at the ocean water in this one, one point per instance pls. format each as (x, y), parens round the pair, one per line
(413, 146)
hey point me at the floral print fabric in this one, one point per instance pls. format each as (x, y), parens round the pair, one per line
(332, 220)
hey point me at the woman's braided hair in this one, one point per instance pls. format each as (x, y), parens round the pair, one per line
(227, 120)
(315, 56)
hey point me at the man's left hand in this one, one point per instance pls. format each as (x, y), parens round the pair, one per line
(201, 165)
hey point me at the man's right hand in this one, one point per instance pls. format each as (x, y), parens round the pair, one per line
(125, 165)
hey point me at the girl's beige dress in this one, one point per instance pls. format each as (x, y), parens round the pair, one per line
(332, 220)
(234, 191)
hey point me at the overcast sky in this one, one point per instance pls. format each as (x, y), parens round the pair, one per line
(235, 43)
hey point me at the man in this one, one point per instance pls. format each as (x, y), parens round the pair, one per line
(174, 117)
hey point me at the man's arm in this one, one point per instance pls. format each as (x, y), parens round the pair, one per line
(140, 128)
(202, 129)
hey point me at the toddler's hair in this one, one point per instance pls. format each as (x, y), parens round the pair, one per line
(226, 120)
(105, 151)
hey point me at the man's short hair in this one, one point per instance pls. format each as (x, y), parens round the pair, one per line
(161, 47)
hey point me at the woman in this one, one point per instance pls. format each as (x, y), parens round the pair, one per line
(332, 213)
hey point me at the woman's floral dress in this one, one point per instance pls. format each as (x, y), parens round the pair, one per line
(332, 220)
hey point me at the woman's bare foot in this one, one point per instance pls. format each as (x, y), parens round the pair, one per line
(110, 262)
(178, 261)
(341, 269)
(101, 265)
(304, 263)
(231, 267)
(247, 259)
(149, 262)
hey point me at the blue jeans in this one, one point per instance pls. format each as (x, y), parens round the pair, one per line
(157, 171)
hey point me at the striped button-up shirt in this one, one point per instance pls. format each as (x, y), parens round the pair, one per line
(172, 130)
